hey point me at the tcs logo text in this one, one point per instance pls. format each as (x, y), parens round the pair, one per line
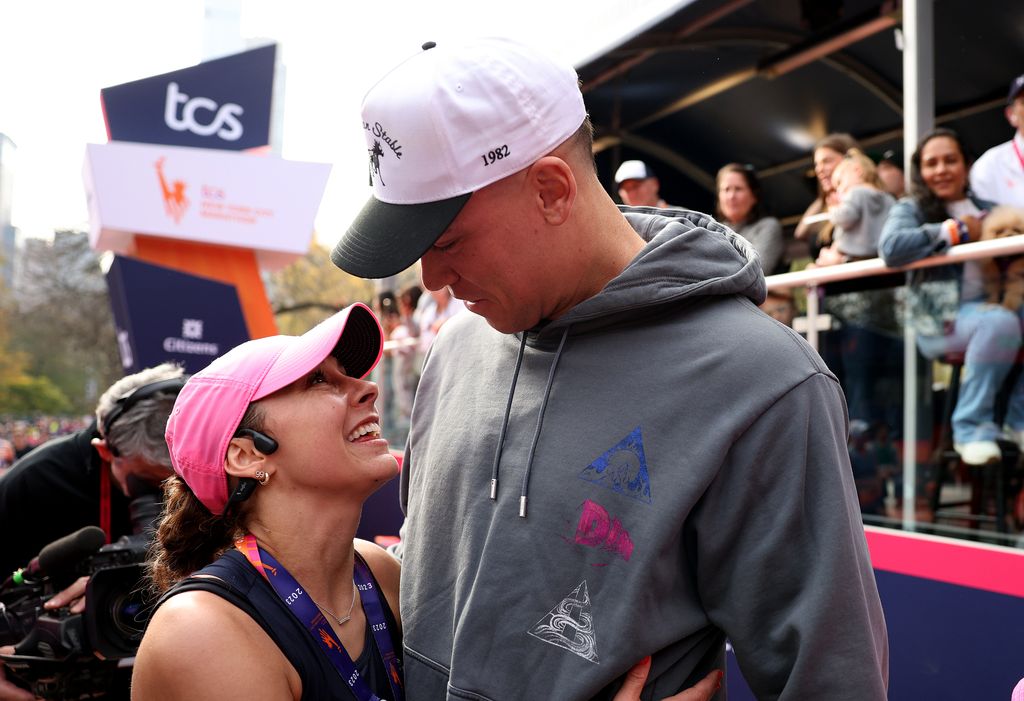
(225, 122)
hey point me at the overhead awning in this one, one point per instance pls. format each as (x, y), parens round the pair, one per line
(758, 82)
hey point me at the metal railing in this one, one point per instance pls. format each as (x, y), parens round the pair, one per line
(815, 277)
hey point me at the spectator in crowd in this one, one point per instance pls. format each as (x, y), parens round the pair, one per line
(433, 316)
(858, 351)
(408, 300)
(648, 404)
(275, 447)
(858, 217)
(890, 171)
(941, 213)
(7, 457)
(20, 440)
(814, 225)
(386, 309)
(998, 176)
(406, 364)
(638, 186)
(740, 208)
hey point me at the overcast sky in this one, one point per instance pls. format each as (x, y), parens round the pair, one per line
(56, 56)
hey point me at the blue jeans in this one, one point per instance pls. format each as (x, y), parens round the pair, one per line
(989, 336)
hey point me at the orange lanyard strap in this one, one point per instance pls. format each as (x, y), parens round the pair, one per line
(248, 546)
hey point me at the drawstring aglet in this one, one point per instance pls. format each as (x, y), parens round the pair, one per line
(494, 489)
(522, 506)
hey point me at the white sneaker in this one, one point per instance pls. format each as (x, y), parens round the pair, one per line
(979, 452)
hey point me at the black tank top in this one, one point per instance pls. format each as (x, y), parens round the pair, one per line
(239, 582)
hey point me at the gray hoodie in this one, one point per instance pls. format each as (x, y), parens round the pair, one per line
(859, 219)
(684, 462)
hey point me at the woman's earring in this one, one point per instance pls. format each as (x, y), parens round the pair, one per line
(262, 477)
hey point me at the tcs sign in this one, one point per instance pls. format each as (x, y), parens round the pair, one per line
(225, 104)
(224, 122)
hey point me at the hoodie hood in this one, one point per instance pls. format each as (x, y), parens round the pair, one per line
(688, 255)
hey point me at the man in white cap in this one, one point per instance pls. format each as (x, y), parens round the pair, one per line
(998, 176)
(638, 186)
(617, 454)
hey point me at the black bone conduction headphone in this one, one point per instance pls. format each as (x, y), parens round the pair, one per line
(247, 485)
(125, 403)
(264, 443)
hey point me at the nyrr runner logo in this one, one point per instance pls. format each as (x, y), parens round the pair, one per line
(175, 201)
(214, 202)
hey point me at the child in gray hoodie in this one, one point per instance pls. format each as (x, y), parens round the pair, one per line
(858, 217)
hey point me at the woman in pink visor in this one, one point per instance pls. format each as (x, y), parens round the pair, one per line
(266, 592)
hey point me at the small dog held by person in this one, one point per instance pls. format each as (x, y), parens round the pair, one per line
(1004, 276)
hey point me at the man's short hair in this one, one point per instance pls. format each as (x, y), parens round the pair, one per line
(582, 142)
(139, 431)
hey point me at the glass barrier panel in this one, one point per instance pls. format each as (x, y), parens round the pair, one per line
(959, 399)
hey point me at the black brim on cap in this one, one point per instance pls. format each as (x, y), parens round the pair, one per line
(385, 239)
(359, 346)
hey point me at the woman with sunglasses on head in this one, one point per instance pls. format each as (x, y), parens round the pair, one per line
(266, 591)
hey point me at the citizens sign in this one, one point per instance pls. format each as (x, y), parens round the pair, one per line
(164, 315)
(223, 104)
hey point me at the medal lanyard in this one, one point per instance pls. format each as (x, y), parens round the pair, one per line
(303, 608)
(1016, 149)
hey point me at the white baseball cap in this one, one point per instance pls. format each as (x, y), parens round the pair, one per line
(448, 121)
(632, 170)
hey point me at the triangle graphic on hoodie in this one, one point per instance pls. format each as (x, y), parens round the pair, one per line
(622, 468)
(570, 625)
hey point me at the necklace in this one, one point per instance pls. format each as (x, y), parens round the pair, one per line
(341, 621)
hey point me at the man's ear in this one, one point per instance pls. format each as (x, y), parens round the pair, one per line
(1011, 117)
(553, 181)
(243, 460)
(100, 444)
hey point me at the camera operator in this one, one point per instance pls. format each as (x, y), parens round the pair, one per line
(65, 484)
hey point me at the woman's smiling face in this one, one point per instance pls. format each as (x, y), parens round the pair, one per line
(943, 169)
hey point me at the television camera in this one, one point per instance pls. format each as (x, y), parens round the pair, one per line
(64, 655)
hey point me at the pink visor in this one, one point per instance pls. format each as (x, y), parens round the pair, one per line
(211, 404)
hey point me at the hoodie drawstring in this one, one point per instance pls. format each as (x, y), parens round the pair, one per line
(504, 423)
(537, 430)
(540, 423)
